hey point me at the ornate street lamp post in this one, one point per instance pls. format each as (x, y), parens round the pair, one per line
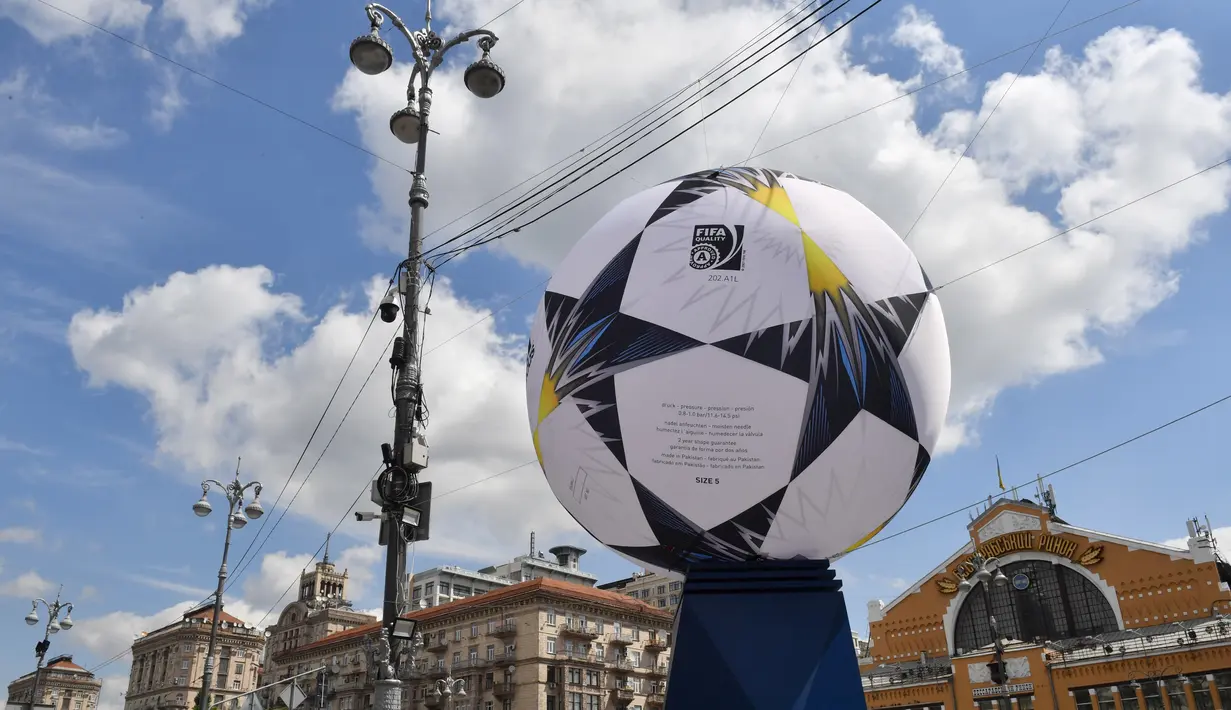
(372, 55)
(54, 625)
(234, 492)
(987, 571)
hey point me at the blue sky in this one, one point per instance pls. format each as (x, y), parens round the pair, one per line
(102, 195)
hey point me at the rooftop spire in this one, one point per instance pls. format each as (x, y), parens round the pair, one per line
(325, 559)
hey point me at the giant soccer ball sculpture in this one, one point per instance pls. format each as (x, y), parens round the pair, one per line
(735, 365)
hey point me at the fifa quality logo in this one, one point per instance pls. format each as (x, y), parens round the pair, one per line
(717, 247)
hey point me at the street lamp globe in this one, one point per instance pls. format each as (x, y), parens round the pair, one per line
(1000, 580)
(370, 54)
(67, 623)
(202, 507)
(238, 521)
(983, 575)
(484, 78)
(965, 585)
(406, 125)
(32, 618)
(53, 627)
(254, 509)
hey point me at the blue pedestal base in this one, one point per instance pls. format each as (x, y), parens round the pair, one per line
(763, 636)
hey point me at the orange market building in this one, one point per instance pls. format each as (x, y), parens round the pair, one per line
(1089, 621)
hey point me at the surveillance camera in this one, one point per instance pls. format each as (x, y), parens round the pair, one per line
(389, 306)
(366, 517)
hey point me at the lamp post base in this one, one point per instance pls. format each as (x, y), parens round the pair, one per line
(388, 695)
(765, 635)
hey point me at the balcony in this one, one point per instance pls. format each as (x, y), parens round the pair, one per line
(503, 690)
(656, 643)
(504, 658)
(436, 671)
(469, 665)
(504, 630)
(438, 644)
(579, 629)
(434, 701)
(579, 656)
(623, 638)
(623, 665)
(623, 694)
(655, 699)
(656, 670)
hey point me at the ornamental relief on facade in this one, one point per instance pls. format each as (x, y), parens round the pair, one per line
(1008, 522)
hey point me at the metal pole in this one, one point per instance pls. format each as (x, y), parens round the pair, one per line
(38, 669)
(999, 647)
(203, 698)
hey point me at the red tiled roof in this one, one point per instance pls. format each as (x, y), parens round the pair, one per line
(565, 589)
(207, 613)
(65, 664)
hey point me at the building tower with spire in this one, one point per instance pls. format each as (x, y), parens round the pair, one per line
(322, 609)
(323, 587)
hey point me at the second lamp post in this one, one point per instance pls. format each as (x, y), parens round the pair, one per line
(234, 491)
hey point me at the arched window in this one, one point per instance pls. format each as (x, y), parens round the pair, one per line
(1054, 602)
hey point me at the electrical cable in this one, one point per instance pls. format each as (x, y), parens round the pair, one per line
(602, 140)
(366, 485)
(1062, 469)
(239, 92)
(777, 105)
(328, 405)
(240, 569)
(916, 90)
(606, 138)
(625, 144)
(222, 84)
(944, 79)
(1075, 227)
(265, 519)
(502, 234)
(975, 137)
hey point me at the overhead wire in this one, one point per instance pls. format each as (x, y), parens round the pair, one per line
(1067, 467)
(876, 541)
(240, 569)
(924, 87)
(596, 161)
(936, 82)
(328, 405)
(605, 139)
(240, 92)
(501, 234)
(494, 235)
(986, 119)
(769, 119)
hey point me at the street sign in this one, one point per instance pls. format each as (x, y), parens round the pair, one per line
(292, 696)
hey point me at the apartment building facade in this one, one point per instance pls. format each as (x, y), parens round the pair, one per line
(543, 644)
(63, 685)
(169, 663)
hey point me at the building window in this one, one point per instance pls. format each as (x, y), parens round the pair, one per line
(1058, 603)
(474, 630)
(574, 701)
(675, 586)
(184, 664)
(444, 589)
(1175, 690)
(551, 646)
(235, 685)
(491, 652)
(675, 599)
(1201, 693)
(457, 634)
(551, 617)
